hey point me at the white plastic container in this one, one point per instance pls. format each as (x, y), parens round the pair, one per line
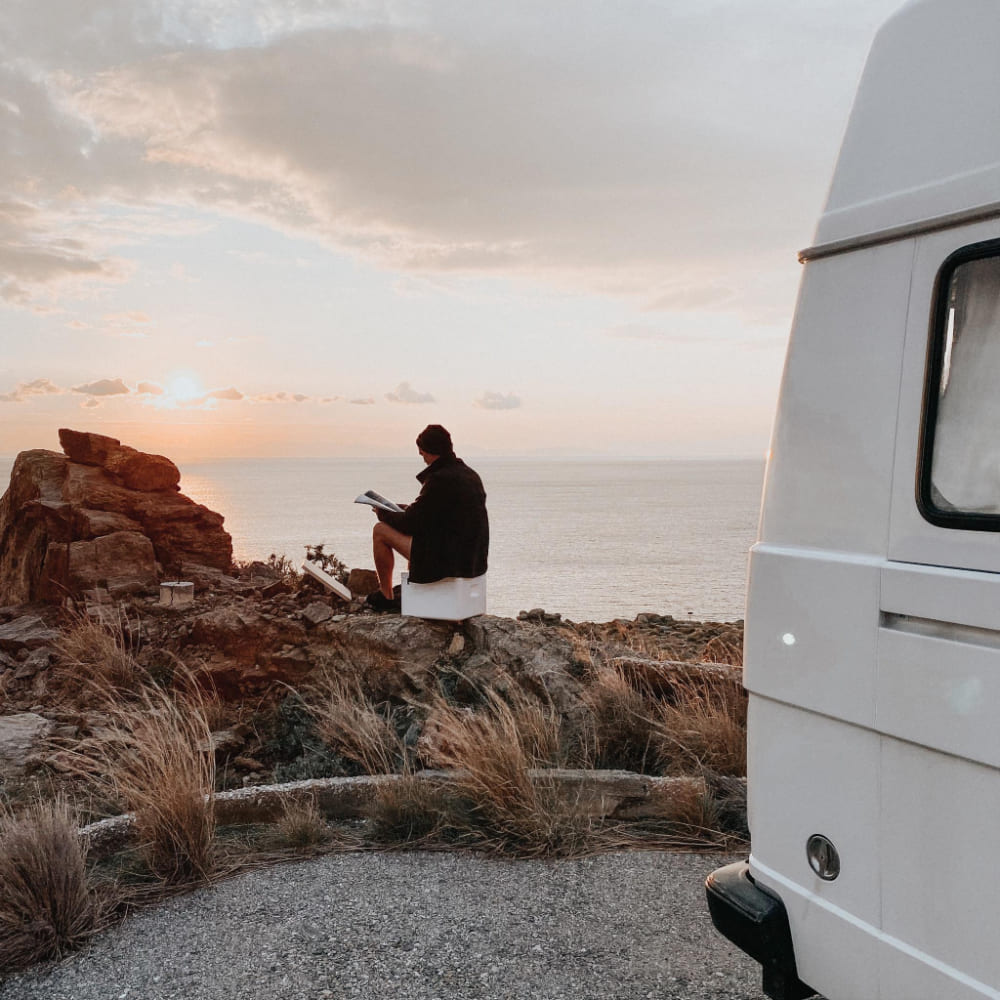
(451, 599)
(176, 594)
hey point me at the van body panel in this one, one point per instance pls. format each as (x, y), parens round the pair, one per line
(939, 694)
(958, 601)
(858, 959)
(905, 974)
(872, 640)
(844, 935)
(911, 537)
(917, 144)
(810, 775)
(940, 817)
(796, 649)
(849, 307)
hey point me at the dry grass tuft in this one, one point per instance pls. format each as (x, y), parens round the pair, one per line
(155, 763)
(99, 655)
(47, 906)
(691, 812)
(302, 826)
(690, 823)
(497, 804)
(689, 724)
(623, 729)
(704, 728)
(582, 646)
(352, 726)
(723, 650)
(409, 811)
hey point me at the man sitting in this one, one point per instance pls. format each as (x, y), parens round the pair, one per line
(444, 532)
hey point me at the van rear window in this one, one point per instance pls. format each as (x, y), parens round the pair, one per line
(959, 483)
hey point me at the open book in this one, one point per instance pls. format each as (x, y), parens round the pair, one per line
(374, 499)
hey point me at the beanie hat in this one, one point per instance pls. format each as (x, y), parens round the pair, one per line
(435, 440)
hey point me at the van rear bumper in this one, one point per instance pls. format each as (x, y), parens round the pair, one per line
(754, 919)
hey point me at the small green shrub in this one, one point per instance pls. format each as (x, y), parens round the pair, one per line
(289, 740)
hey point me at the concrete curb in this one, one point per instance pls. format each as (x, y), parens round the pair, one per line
(599, 794)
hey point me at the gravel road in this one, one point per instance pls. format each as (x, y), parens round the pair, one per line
(420, 926)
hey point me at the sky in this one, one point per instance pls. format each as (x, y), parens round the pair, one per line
(312, 227)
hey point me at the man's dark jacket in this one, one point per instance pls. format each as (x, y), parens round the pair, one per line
(448, 523)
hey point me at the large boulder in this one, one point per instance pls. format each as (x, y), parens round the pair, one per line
(400, 657)
(100, 515)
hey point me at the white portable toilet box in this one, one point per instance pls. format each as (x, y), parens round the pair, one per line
(454, 598)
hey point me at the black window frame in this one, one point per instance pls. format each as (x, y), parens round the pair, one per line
(966, 520)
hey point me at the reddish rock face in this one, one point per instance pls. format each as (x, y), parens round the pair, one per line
(102, 515)
(136, 469)
(121, 562)
(86, 448)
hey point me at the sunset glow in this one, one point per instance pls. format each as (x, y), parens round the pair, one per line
(313, 228)
(183, 389)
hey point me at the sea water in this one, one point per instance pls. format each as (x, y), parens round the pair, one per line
(593, 540)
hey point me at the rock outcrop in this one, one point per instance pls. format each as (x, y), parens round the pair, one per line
(101, 515)
(21, 737)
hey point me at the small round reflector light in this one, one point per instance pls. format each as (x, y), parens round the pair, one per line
(823, 857)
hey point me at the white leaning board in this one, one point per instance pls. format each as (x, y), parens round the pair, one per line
(328, 581)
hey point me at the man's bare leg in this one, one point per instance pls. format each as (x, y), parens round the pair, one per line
(386, 542)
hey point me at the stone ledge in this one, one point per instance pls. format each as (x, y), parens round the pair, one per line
(598, 794)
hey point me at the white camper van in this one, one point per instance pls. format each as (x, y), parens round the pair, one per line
(873, 616)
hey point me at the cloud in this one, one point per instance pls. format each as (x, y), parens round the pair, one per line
(498, 401)
(149, 389)
(103, 387)
(230, 393)
(24, 390)
(405, 393)
(127, 318)
(280, 397)
(365, 401)
(564, 140)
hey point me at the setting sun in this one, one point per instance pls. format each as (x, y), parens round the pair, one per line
(182, 389)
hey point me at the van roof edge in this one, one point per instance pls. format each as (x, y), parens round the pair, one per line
(902, 232)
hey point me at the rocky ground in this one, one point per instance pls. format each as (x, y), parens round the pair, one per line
(617, 733)
(253, 635)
